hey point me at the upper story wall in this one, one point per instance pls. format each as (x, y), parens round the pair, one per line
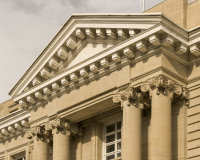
(193, 14)
(176, 10)
(8, 107)
(183, 12)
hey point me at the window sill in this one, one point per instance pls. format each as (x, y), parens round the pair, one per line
(119, 158)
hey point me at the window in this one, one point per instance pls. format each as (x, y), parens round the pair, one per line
(112, 140)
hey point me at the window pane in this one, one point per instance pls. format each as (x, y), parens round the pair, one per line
(118, 145)
(110, 157)
(119, 125)
(118, 154)
(118, 135)
(110, 138)
(110, 128)
(110, 148)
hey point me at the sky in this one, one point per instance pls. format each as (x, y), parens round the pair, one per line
(27, 26)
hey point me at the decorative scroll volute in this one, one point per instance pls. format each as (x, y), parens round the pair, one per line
(29, 134)
(186, 95)
(127, 94)
(58, 123)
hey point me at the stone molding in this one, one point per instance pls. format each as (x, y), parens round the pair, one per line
(128, 93)
(162, 83)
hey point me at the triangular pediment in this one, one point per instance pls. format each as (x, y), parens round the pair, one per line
(91, 51)
(80, 38)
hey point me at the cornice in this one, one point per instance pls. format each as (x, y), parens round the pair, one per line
(11, 118)
(78, 19)
(92, 59)
(16, 147)
(161, 34)
(67, 27)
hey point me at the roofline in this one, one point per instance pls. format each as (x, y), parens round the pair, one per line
(88, 15)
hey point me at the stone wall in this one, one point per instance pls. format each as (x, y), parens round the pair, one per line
(194, 124)
(176, 10)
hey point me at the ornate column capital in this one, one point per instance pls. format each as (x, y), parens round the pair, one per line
(58, 125)
(37, 131)
(162, 83)
(130, 94)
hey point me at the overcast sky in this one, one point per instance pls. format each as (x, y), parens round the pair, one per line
(27, 26)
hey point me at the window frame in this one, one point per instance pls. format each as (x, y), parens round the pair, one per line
(114, 121)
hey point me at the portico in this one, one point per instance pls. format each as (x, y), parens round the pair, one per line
(114, 89)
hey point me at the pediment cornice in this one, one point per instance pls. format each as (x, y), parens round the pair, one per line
(164, 34)
(120, 21)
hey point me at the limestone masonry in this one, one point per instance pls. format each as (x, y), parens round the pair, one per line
(111, 87)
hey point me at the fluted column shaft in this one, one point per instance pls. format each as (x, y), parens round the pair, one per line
(131, 133)
(41, 149)
(161, 129)
(61, 145)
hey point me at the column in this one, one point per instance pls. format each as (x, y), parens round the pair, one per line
(161, 136)
(41, 145)
(132, 123)
(28, 152)
(61, 138)
(61, 145)
(80, 141)
(162, 92)
(41, 149)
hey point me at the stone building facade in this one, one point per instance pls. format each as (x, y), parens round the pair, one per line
(111, 86)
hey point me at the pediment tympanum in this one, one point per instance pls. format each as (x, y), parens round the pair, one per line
(90, 46)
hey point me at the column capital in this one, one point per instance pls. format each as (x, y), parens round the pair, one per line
(38, 131)
(58, 125)
(159, 83)
(130, 94)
